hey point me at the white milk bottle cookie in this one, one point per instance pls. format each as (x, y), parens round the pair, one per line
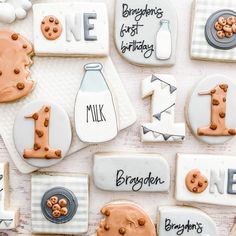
(163, 41)
(95, 114)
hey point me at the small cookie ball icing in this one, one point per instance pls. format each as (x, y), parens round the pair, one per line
(125, 219)
(227, 28)
(56, 214)
(15, 57)
(221, 34)
(228, 34)
(64, 211)
(222, 21)
(231, 20)
(63, 202)
(56, 207)
(196, 182)
(51, 27)
(49, 204)
(234, 27)
(218, 26)
(54, 200)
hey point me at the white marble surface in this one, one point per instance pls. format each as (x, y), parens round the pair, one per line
(187, 73)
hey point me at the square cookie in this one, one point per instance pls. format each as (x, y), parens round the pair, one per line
(76, 184)
(200, 49)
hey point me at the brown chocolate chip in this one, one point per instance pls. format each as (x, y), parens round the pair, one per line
(35, 116)
(46, 109)
(24, 46)
(106, 227)
(232, 131)
(213, 91)
(55, 30)
(46, 149)
(194, 189)
(122, 230)
(141, 222)
(47, 156)
(215, 102)
(213, 126)
(17, 71)
(58, 153)
(193, 181)
(20, 86)
(194, 175)
(14, 36)
(107, 213)
(0, 73)
(50, 34)
(43, 22)
(222, 114)
(39, 133)
(36, 146)
(224, 87)
(46, 122)
(51, 19)
(56, 22)
(47, 28)
(224, 99)
(200, 184)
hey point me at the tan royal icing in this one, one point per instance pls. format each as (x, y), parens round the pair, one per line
(217, 126)
(41, 147)
(51, 27)
(196, 182)
(15, 58)
(125, 219)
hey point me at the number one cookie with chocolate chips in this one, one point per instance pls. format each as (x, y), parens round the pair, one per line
(212, 110)
(15, 58)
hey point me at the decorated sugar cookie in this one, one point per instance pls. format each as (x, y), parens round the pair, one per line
(116, 172)
(71, 29)
(214, 30)
(96, 117)
(187, 221)
(9, 218)
(42, 133)
(125, 218)
(15, 57)
(146, 31)
(215, 122)
(206, 179)
(162, 128)
(60, 203)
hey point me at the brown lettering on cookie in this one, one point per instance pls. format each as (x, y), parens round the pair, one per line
(125, 219)
(196, 182)
(217, 125)
(41, 147)
(15, 58)
(51, 28)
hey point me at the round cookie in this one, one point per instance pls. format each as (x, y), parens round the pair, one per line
(196, 182)
(42, 133)
(56, 214)
(211, 110)
(51, 27)
(15, 56)
(118, 218)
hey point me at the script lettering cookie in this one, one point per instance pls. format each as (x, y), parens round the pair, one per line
(163, 90)
(174, 220)
(42, 133)
(95, 110)
(60, 203)
(15, 57)
(9, 219)
(215, 173)
(211, 111)
(71, 29)
(125, 219)
(146, 31)
(131, 172)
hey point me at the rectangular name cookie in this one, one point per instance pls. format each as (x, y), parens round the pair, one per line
(131, 172)
(206, 179)
(72, 29)
(9, 219)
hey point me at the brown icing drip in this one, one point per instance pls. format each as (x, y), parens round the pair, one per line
(41, 147)
(217, 126)
(15, 59)
(51, 27)
(196, 182)
(125, 219)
